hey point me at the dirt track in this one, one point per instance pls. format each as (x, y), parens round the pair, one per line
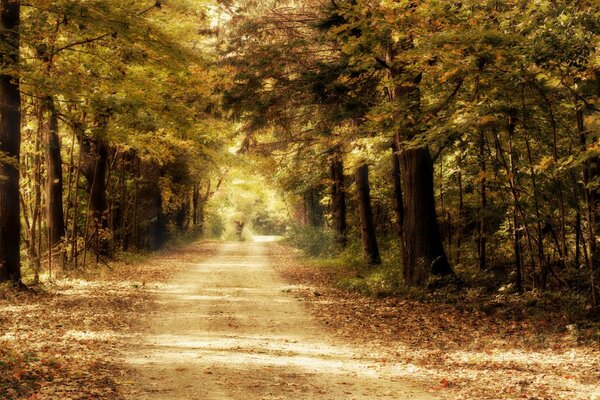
(226, 328)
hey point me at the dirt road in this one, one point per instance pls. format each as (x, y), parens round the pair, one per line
(226, 328)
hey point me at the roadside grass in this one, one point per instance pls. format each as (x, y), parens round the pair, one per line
(554, 312)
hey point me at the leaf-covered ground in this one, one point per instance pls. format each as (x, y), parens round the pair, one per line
(458, 354)
(64, 340)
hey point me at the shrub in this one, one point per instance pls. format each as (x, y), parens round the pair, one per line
(313, 241)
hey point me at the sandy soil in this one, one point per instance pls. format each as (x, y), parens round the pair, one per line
(229, 328)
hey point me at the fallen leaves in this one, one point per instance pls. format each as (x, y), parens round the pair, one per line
(458, 354)
(64, 341)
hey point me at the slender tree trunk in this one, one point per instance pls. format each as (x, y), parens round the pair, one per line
(543, 265)
(313, 210)
(54, 181)
(338, 196)
(10, 143)
(592, 205)
(459, 228)
(195, 199)
(160, 225)
(398, 202)
(96, 161)
(367, 226)
(201, 217)
(577, 248)
(516, 226)
(78, 130)
(482, 217)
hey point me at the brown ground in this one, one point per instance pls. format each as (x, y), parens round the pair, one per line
(458, 354)
(216, 321)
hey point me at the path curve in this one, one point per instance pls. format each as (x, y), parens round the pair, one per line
(227, 328)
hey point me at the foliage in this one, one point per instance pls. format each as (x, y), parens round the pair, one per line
(313, 241)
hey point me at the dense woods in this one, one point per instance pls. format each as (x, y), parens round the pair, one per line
(436, 163)
(478, 122)
(455, 141)
(119, 127)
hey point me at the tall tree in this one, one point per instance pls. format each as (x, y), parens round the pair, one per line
(54, 178)
(367, 225)
(10, 141)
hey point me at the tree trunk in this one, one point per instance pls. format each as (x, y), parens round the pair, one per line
(398, 202)
(161, 223)
(511, 126)
(10, 144)
(461, 206)
(338, 198)
(592, 206)
(94, 170)
(54, 181)
(367, 226)
(422, 247)
(195, 199)
(422, 243)
(314, 215)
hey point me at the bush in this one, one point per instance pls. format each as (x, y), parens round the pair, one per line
(313, 241)
(214, 226)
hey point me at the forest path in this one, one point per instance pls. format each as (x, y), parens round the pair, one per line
(226, 328)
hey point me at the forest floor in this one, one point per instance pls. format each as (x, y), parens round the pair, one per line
(459, 354)
(254, 321)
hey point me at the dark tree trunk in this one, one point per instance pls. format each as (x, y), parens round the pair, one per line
(182, 215)
(482, 226)
(10, 144)
(338, 198)
(422, 247)
(94, 170)
(423, 250)
(398, 202)
(160, 230)
(201, 218)
(367, 227)
(54, 182)
(591, 171)
(512, 123)
(195, 199)
(314, 215)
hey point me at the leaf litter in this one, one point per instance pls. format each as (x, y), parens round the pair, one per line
(458, 354)
(65, 340)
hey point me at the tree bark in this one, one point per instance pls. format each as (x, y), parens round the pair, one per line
(195, 199)
(592, 206)
(10, 144)
(422, 243)
(94, 169)
(397, 200)
(338, 198)
(160, 227)
(314, 215)
(422, 247)
(367, 226)
(511, 127)
(54, 181)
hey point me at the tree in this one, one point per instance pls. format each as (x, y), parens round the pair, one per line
(367, 226)
(10, 142)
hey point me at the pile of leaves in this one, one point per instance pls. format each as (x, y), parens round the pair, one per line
(457, 352)
(63, 340)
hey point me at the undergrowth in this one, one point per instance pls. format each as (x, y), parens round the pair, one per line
(481, 291)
